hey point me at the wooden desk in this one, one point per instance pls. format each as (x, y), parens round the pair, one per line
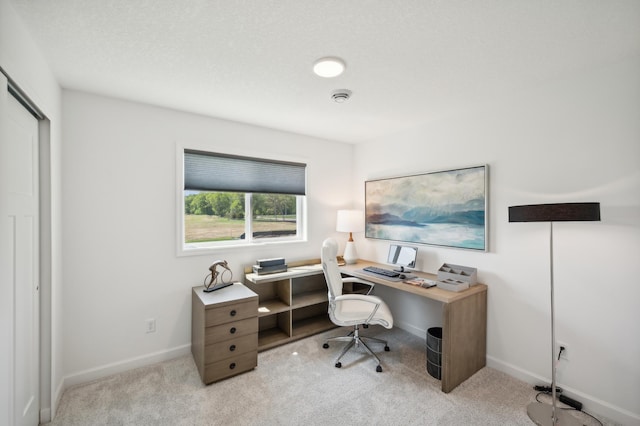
(464, 322)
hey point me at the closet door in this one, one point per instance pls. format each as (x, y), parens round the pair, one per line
(19, 264)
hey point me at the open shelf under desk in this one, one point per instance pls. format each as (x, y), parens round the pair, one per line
(271, 307)
(309, 298)
(309, 326)
(292, 304)
(270, 338)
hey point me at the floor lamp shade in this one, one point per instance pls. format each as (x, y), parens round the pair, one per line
(350, 221)
(562, 212)
(545, 414)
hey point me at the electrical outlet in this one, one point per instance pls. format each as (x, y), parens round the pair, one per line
(151, 325)
(564, 355)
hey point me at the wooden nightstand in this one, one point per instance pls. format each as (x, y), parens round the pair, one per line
(224, 331)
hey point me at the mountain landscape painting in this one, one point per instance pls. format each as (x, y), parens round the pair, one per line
(445, 208)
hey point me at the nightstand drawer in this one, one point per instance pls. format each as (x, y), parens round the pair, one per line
(230, 330)
(231, 348)
(230, 367)
(237, 311)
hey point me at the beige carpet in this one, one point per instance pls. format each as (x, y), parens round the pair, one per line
(297, 384)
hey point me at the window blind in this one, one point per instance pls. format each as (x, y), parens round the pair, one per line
(209, 171)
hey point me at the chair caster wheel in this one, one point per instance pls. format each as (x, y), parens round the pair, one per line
(379, 369)
(326, 345)
(338, 364)
(386, 349)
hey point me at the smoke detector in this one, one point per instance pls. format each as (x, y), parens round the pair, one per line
(341, 95)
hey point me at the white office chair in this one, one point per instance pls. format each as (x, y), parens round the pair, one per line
(352, 309)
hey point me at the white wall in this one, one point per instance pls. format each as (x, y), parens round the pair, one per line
(119, 218)
(576, 138)
(21, 59)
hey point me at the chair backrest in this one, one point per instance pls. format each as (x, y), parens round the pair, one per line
(330, 267)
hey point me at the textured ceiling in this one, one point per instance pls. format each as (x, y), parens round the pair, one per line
(408, 61)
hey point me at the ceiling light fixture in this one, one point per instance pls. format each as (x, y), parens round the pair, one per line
(329, 67)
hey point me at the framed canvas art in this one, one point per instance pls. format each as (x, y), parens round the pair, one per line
(444, 208)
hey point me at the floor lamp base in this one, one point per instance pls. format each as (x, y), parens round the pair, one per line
(540, 413)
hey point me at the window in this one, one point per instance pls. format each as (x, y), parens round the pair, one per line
(232, 200)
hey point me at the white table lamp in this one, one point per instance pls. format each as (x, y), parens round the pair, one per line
(350, 221)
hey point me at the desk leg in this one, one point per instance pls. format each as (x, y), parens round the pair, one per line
(464, 339)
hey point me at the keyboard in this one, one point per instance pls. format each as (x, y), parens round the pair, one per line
(381, 271)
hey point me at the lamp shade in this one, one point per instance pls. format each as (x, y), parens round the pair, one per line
(350, 221)
(560, 212)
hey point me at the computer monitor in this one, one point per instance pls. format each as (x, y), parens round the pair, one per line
(403, 257)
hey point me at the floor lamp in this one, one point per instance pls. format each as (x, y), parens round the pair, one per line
(544, 414)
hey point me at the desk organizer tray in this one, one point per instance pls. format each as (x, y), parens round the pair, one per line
(453, 285)
(455, 274)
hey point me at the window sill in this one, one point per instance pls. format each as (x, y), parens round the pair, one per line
(199, 249)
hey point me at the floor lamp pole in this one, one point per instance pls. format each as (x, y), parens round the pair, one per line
(542, 414)
(554, 418)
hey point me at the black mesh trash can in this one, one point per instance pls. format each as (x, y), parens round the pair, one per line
(434, 352)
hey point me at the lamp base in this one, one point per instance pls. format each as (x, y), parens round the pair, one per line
(541, 414)
(350, 253)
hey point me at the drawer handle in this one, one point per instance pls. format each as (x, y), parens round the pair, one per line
(233, 313)
(232, 348)
(232, 365)
(233, 330)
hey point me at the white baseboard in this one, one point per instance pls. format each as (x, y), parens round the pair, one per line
(56, 397)
(418, 332)
(590, 404)
(121, 366)
(45, 415)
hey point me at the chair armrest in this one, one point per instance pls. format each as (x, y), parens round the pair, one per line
(359, 281)
(374, 300)
(361, 297)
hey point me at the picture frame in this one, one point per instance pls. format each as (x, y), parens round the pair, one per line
(447, 208)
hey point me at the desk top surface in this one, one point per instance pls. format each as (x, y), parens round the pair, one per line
(354, 270)
(435, 293)
(295, 271)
